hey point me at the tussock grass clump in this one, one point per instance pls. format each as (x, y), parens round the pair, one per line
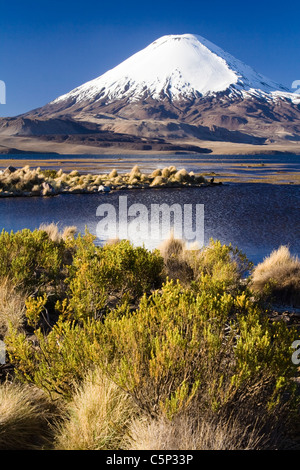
(36, 190)
(74, 173)
(172, 247)
(156, 173)
(52, 231)
(158, 181)
(135, 173)
(12, 307)
(176, 259)
(25, 415)
(97, 416)
(185, 433)
(113, 174)
(181, 175)
(55, 235)
(165, 173)
(49, 182)
(69, 232)
(172, 169)
(277, 277)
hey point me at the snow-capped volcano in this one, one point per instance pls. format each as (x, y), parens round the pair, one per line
(177, 67)
(180, 87)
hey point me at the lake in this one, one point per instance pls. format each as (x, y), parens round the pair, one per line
(255, 217)
(281, 168)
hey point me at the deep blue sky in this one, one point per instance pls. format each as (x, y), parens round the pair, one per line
(49, 47)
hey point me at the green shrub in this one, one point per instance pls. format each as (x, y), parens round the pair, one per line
(106, 276)
(179, 348)
(57, 361)
(221, 262)
(174, 348)
(31, 260)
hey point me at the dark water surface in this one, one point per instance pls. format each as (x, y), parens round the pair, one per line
(253, 216)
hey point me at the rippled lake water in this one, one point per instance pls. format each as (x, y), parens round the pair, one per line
(253, 216)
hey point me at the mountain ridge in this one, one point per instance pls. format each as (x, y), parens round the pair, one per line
(180, 88)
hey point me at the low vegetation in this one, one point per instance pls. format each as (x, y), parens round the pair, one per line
(36, 182)
(26, 413)
(277, 277)
(118, 347)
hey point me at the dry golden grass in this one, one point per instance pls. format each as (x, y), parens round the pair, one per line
(55, 235)
(12, 307)
(165, 173)
(37, 182)
(181, 175)
(25, 413)
(278, 276)
(155, 173)
(52, 231)
(244, 423)
(135, 172)
(176, 258)
(172, 247)
(158, 181)
(184, 434)
(97, 417)
(69, 232)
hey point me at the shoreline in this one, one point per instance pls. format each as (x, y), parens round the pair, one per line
(243, 169)
(27, 182)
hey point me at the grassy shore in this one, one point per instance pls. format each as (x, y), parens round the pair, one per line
(118, 347)
(36, 182)
(249, 169)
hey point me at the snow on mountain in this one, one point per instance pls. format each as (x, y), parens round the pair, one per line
(178, 67)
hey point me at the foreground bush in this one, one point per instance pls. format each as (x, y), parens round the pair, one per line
(181, 348)
(187, 359)
(277, 278)
(56, 362)
(33, 261)
(106, 276)
(223, 263)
